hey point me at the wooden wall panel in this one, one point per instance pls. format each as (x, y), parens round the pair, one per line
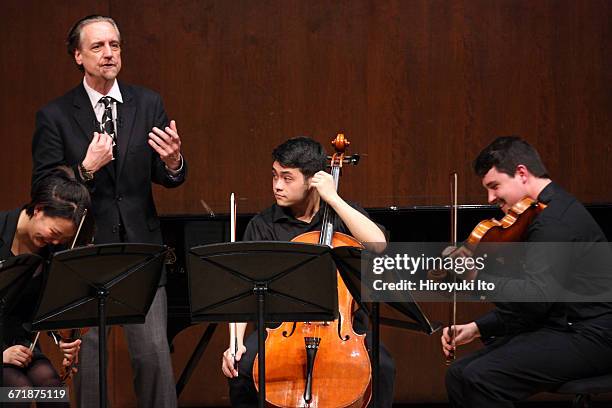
(35, 68)
(418, 86)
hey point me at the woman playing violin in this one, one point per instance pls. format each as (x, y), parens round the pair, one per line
(299, 183)
(531, 346)
(57, 205)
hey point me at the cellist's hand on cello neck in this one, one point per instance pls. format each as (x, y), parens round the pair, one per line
(360, 226)
(323, 182)
(464, 334)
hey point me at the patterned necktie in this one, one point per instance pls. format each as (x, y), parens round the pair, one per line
(107, 125)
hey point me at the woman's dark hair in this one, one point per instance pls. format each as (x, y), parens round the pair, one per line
(301, 153)
(60, 195)
(507, 152)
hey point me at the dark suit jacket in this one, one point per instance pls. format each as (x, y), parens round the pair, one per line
(8, 226)
(122, 194)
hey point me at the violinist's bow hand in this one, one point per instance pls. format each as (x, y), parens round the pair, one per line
(464, 334)
(18, 355)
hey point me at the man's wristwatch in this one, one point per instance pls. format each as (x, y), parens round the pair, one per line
(87, 175)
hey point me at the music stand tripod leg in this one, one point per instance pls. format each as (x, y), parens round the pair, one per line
(375, 353)
(2, 306)
(102, 294)
(260, 291)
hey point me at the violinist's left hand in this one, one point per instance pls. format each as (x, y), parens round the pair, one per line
(324, 183)
(70, 351)
(461, 252)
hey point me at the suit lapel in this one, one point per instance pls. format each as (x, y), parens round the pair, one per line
(126, 113)
(83, 113)
(8, 226)
(86, 119)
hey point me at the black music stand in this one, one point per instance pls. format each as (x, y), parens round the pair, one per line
(262, 282)
(349, 262)
(15, 274)
(100, 285)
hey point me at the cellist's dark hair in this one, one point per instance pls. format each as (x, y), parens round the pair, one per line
(507, 152)
(301, 153)
(60, 195)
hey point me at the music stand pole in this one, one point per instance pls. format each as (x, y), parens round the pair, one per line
(2, 307)
(102, 294)
(376, 353)
(260, 292)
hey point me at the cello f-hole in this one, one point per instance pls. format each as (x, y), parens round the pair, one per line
(343, 338)
(292, 330)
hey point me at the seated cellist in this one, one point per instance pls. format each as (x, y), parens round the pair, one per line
(299, 183)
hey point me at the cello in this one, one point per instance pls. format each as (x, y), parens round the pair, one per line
(320, 364)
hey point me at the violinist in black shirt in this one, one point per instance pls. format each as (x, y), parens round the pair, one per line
(51, 218)
(299, 185)
(532, 346)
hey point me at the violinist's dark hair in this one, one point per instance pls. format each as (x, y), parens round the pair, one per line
(507, 152)
(60, 195)
(73, 40)
(301, 153)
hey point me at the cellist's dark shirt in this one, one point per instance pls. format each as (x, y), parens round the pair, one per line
(276, 223)
(564, 220)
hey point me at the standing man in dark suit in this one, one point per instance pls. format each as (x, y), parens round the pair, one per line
(118, 139)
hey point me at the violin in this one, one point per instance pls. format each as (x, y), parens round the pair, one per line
(511, 228)
(320, 364)
(69, 336)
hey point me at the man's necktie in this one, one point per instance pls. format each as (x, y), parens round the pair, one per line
(107, 125)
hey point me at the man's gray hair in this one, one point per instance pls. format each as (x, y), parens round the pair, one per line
(73, 41)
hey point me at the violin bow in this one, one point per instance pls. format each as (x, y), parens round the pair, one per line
(76, 236)
(232, 326)
(69, 370)
(453, 233)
